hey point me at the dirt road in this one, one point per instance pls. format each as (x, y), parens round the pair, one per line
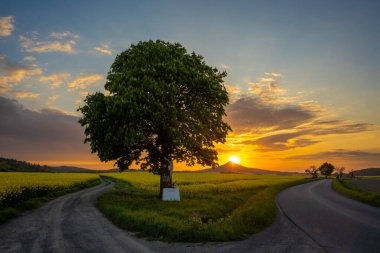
(71, 224)
(320, 221)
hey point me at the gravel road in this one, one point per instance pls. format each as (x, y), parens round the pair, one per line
(70, 223)
(335, 222)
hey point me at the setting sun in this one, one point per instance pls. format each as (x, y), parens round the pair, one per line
(234, 159)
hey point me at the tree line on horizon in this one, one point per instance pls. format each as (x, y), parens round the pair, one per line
(326, 169)
(7, 164)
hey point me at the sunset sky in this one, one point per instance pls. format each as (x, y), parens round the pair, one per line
(303, 76)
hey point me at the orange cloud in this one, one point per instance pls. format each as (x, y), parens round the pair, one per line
(232, 89)
(14, 72)
(83, 81)
(55, 80)
(34, 45)
(6, 26)
(104, 49)
(268, 125)
(25, 94)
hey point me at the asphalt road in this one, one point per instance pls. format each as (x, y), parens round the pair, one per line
(335, 222)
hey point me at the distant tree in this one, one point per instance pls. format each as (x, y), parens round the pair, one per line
(313, 171)
(339, 172)
(164, 105)
(351, 174)
(326, 169)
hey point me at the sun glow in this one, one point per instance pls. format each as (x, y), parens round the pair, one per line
(234, 159)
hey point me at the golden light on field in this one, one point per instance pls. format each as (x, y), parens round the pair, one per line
(234, 159)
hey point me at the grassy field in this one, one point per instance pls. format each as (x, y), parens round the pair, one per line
(213, 206)
(345, 187)
(20, 191)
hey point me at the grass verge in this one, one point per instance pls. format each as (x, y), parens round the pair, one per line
(30, 198)
(346, 188)
(212, 208)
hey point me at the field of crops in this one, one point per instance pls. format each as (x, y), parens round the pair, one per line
(22, 190)
(367, 193)
(213, 206)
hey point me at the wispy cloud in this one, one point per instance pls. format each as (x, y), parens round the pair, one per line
(104, 49)
(302, 136)
(326, 127)
(66, 34)
(6, 26)
(53, 98)
(84, 81)
(12, 73)
(25, 94)
(274, 74)
(279, 142)
(29, 58)
(56, 79)
(342, 155)
(269, 90)
(64, 43)
(232, 90)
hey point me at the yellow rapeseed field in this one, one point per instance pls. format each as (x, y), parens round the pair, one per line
(18, 187)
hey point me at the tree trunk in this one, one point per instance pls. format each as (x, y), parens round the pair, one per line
(165, 179)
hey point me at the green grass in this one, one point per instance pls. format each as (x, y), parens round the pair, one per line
(367, 177)
(346, 188)
(22, 191)
(213, 207)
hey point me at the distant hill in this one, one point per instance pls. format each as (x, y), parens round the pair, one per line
(231, 167)
(70, 169)
(21, 166)
(367, 172)
(9, 165)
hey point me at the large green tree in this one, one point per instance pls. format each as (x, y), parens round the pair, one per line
(164, 104)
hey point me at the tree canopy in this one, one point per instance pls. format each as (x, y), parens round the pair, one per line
(164, 104)
(326, 169)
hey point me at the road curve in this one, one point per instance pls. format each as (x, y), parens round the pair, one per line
(335, 222)
(70, 223)
(325, 221)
